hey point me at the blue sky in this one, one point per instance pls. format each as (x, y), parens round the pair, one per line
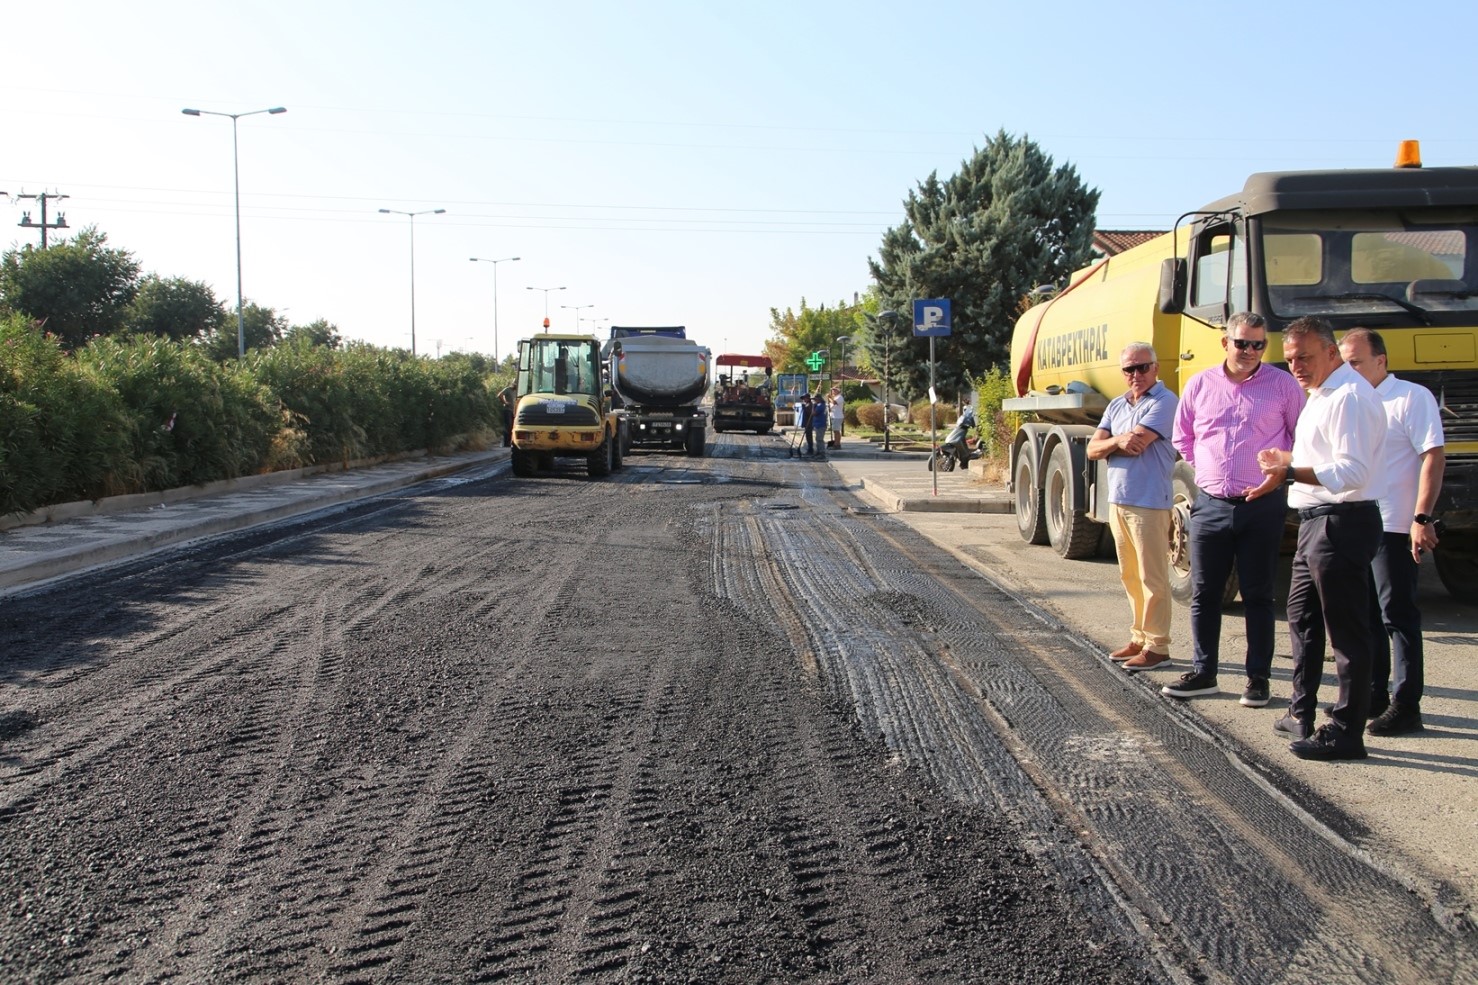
(664, 162)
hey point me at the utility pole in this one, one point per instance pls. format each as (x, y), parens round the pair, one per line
(43, 198)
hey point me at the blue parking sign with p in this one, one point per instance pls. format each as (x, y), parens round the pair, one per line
(931, 318)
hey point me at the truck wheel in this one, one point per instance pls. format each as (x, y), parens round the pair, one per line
(1070, 532)
(523, 463)
(617, 458)
(1183, 496)
(1031, 521)
(598, 462)
(1459, 574)
(696, 441)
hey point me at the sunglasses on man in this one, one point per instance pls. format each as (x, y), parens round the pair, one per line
(1133, 368)
(1256, 345)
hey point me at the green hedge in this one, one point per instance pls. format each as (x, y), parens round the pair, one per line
(141, 414)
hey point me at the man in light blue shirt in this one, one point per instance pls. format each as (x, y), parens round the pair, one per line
(1134, 437)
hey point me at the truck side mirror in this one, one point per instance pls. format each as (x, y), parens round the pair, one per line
(1172, 286)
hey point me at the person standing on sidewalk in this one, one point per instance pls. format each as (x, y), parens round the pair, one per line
(1414, 463)
(818, 422)
(838, 405)
(803, 412)
(1134, 437)
(1227, 415)
(1335, 477)
(507, 397)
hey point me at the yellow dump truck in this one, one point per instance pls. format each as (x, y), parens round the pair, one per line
(563, 407)
(1391, 249)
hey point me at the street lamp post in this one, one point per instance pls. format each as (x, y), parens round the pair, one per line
(236, 180)
(576, 309)
(546, 291)
(412, 217)
(495, 296)
(841, 384)
(888, 318)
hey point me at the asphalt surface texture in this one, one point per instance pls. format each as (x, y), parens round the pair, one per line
(1394, 834)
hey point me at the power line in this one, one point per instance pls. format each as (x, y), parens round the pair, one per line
(43, 198)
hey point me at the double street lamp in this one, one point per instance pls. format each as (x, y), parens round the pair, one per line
(236, 172)
(546, 291)
(495, 296)
(412, 217)
(576, 309)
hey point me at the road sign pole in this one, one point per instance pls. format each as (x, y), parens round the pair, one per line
(933, 422)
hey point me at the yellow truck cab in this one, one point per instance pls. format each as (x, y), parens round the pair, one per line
(563, 406)
(1392, 249)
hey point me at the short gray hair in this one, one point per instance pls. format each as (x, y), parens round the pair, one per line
(1141, 347)
(1250, 319)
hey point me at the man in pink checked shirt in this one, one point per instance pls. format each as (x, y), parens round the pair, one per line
(1226, 416)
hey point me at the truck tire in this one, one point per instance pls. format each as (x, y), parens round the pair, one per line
(1183, 496)
(598, 462)
(523, 463)
(617, 457)
(1031, 519)
(1459, 574)
(1069, 531)
(697, 439)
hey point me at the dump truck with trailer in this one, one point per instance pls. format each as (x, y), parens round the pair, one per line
(1391, 249)
(660, 377)
(563, 407)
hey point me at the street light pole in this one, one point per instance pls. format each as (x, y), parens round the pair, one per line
(495, 297)
(412, 216)
(841, 384)
(888, 318)
(576, 309)
(546, 291)
(236, 180)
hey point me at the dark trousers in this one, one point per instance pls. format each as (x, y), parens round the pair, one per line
(820, 431)
(507, 426)
(1227, 533)
(810, 444)
(1396, 620)
(1329, 599)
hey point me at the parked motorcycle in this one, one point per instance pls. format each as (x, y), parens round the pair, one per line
(954, 450)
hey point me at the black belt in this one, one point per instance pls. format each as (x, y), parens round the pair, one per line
(1228, 499)
(1328, 509)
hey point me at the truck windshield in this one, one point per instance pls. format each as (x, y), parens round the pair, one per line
(1421, 262)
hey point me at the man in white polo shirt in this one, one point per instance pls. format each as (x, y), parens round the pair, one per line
(1335, 479)
(1414, 463)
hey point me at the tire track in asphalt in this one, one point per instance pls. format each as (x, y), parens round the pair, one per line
(1265, 896)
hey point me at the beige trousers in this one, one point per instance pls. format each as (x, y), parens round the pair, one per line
(1142, 539)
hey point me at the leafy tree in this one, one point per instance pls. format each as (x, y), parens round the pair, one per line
(77, 289)
(262, 328)
(175, 308)
(321, 333)
(795, 335)
(1007, 222)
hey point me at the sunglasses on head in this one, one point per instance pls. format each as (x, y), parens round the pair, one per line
(1133, 368)
(1256, 345)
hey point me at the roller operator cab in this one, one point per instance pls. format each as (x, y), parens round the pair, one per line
(564, 407)
(1393, 249)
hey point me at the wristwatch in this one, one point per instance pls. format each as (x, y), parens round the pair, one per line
(1288, 474)
(1424, 518)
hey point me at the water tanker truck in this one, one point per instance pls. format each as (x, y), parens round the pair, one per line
(563, 408)
(1391, 249)
(660, 378)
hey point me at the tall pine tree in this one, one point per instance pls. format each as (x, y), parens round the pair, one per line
(1007, 222)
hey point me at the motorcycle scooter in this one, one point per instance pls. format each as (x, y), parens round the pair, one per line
(953, 450)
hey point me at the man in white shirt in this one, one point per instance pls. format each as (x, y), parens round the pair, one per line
(1414, 463)
(1335, 479)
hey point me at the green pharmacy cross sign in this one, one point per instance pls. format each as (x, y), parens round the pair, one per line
(816, 360)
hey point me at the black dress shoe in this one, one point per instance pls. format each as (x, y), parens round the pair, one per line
(1396, 720)
(1328, 744)
(1379, 702)
(1293, 727)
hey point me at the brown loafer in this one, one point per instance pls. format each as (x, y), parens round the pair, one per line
(1146, 660)
(1130, 649)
